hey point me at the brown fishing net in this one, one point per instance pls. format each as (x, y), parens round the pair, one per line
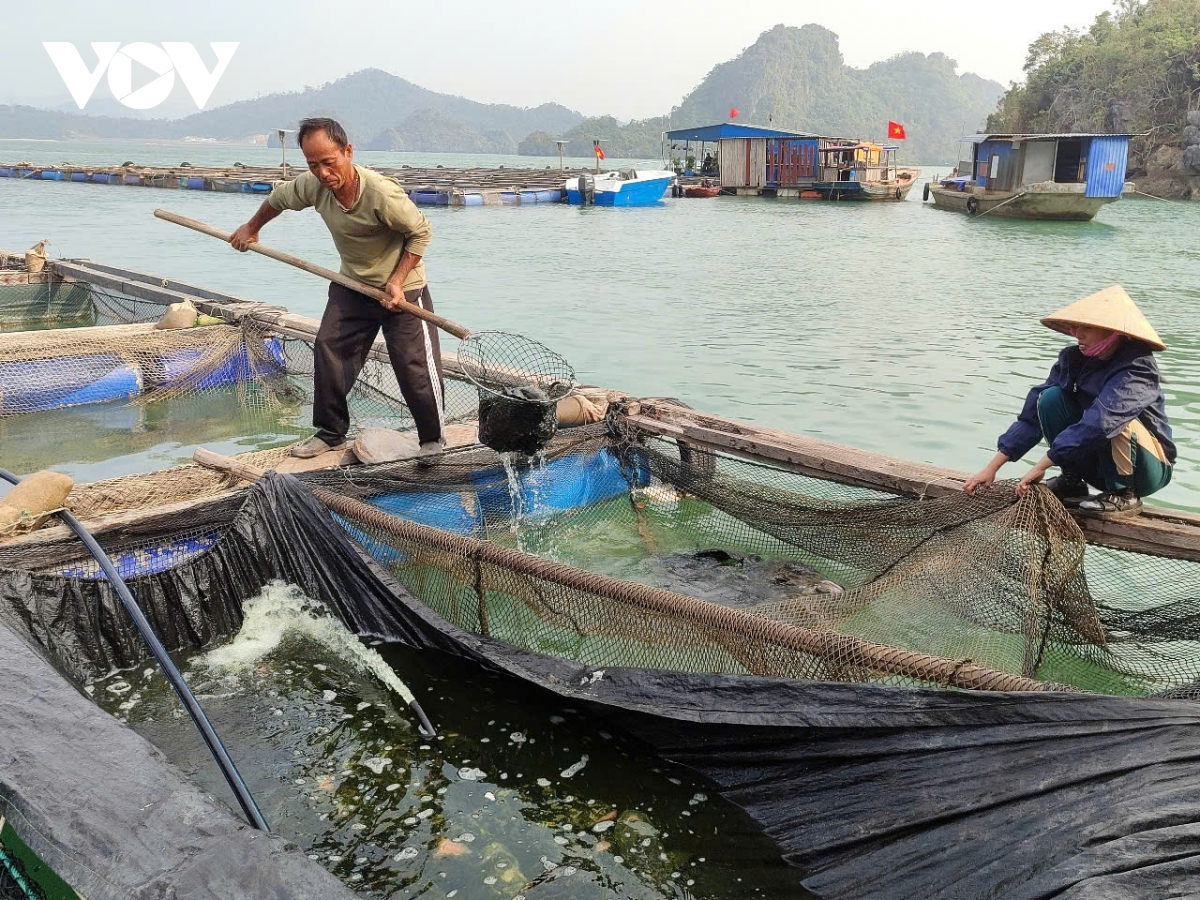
(779, 574)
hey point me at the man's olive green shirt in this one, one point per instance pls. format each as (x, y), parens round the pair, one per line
(371, 234)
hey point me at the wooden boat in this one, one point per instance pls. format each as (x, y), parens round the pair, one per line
(863, 172)
(1048, 201)
(1056, 177)
(702, 190)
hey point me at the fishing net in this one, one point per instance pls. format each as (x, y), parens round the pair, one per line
(81, 363)
(520, 382)
(620, 549)
(694, 561)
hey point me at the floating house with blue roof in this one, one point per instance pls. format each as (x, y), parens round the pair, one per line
(1065, 176)
(752, 160)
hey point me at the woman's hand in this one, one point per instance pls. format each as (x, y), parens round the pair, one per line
(1034, 475)
(984, 476)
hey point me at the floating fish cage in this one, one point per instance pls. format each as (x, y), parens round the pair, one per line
(85, 377)
(873, 675)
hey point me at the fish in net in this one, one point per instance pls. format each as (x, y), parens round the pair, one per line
(520, 383)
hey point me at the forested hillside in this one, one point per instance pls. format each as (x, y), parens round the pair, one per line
(1134, 70)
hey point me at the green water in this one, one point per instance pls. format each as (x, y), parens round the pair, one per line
(893, 327)
(518, 795)
(105, 440)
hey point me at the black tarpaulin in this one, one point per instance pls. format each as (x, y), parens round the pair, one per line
(872, 791)
(112, 817)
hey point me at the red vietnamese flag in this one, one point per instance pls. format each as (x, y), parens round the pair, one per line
(599, 152)
(733, 112)
(895, 131)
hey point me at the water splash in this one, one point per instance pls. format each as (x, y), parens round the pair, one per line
(516, 499)
(282, 609)
(516, 496)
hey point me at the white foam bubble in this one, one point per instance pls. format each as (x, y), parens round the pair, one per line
(283, 609)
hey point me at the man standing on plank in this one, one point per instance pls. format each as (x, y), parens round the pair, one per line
(381, 237)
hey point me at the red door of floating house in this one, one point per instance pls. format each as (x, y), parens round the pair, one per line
(797, 160)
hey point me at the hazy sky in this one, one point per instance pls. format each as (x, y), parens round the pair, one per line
(622, 57)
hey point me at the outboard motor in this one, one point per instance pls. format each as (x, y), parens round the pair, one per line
(587, 188)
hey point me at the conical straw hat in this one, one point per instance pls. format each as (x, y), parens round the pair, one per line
(1110, 308)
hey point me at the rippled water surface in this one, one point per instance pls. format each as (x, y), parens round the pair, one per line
(893, 327)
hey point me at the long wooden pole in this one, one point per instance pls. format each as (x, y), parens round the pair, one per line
(328, 274)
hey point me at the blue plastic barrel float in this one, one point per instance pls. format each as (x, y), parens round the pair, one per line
(194, 183)
(39, 384)
(258, 187)
(6, 172)
(510, 197)
(106, 178)
(549, 196)
(437, 198)
(130, 178)
(53, 175)
(177, 366)
(153, 559)
(79, 176)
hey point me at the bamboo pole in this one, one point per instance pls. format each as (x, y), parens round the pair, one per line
(441, 322)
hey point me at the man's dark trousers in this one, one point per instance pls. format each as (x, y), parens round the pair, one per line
(348, 329)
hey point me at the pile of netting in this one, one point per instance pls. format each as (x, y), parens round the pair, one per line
(622, 550)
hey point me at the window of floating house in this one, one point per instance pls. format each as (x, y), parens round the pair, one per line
(996, 172)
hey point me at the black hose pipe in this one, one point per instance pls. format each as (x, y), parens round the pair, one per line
(215, 747)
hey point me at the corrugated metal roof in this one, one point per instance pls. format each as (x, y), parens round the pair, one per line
(731, 130)
(980, 138)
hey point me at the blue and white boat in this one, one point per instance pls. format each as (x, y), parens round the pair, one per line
(628, 187)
